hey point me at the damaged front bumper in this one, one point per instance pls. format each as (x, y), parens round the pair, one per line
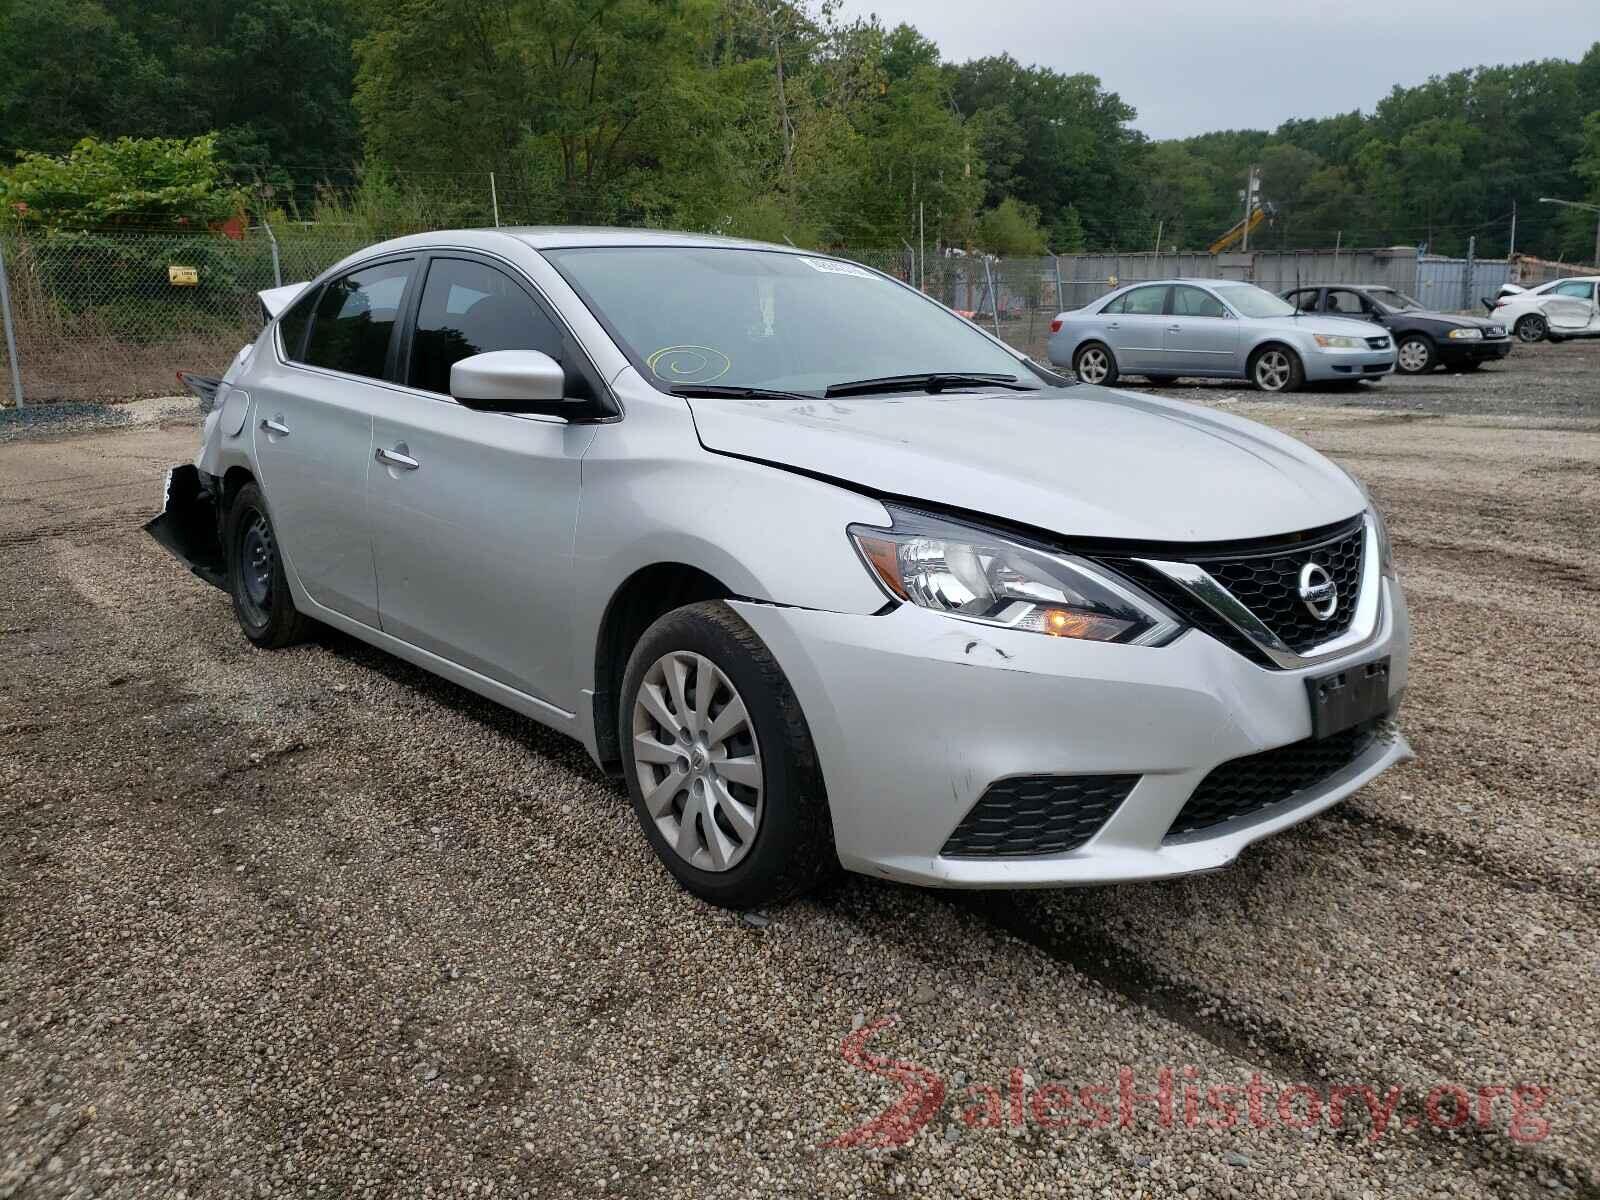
(189, 524)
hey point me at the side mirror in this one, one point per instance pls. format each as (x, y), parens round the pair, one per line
(509, 381)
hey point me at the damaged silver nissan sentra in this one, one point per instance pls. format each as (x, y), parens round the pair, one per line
(826, 572)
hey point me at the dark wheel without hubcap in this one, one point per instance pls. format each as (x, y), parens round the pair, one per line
(256, 581)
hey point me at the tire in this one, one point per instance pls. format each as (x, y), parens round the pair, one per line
(775, 840)
(256, 582)
(1095, 359)
(1531, 328)
(1277, 369)
(1415, 355)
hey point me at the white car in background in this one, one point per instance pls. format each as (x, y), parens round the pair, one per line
(1560, 309)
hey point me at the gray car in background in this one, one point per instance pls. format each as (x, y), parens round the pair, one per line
(825, 573)
(1211, 329)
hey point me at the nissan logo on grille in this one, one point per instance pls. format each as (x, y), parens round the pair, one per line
(1318, 592)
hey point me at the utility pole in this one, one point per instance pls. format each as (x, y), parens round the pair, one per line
(494, 200)
(1594, 208)
(922, 250)
(1511, 251)
(1251, 183)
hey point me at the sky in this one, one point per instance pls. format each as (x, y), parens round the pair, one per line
(1192, 66)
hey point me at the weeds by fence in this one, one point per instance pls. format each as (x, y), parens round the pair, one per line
(114, 315)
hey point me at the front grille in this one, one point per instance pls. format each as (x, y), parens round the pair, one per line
(1038, 814)
(1378, 343)
(1247, 785)
(1269, 586)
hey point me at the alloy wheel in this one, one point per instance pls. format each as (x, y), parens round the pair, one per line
(1273, 370)
(698, 760)
(1531, 329)
(1093, 365)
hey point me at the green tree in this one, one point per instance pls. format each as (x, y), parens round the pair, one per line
(129, 182)
(1011, 230)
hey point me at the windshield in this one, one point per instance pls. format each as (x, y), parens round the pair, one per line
(731, 318)
(1392, 300)
(1250, 301)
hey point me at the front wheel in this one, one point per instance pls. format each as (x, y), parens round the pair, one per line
(1415, 355)
(1094, 363)
(1532, 328)
(719, 761)
(1275, 369)
(256, 580)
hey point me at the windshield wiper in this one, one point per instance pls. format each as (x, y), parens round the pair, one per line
(728, 392)
(932, 383)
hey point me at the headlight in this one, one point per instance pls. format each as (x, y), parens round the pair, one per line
(1381, 527)
(1465, 335)
(1330, 341)
(974, 574)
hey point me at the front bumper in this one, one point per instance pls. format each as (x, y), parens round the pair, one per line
(1452, 353)
(1326, 366)
(914, 715)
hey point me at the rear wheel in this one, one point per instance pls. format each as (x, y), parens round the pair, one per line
(1094, 363)
(1532, 328)
(719, 761)
(1276, 369)
(256, 581)
(1415, 355)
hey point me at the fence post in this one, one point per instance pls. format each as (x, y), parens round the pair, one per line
(1061, 302)
(994, 296)
(1466, 278)
(11, 328)
(277, 269)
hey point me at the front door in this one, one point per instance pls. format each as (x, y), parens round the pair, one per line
(473, 513)
(1201, 337)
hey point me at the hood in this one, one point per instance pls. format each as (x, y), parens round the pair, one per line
(1332, 326)
(1454, 320)
(1077, 461)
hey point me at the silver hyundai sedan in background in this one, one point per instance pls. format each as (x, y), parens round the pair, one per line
(825, 572)
(1211, 329)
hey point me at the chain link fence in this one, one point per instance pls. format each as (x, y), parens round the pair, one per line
(112, 315)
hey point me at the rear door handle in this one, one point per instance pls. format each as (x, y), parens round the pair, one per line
(394, 458)
(273, 425)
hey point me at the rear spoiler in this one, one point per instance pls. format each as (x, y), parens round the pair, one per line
(275, 300)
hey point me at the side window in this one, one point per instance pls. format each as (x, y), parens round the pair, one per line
(1582, 291)
(1304, 301)
(1344, 302)
(468, 308)
(1194, 302)
(1119, 305)
(355, 318)
(292, 325)
(1146, 301)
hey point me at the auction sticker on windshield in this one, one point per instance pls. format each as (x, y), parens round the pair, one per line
(830, 267)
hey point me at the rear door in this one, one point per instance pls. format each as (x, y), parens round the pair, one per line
(313, 434)
(1137, 327)
(1202, 338)
(1571, 306)
(474, 542)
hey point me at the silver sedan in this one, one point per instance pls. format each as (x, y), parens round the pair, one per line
(1214, 330)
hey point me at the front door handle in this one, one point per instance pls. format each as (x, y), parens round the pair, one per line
(394, 458)
(275, 425)
(1174, 328)
(1111, 324)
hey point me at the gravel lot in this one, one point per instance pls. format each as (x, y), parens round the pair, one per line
(314, 923)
